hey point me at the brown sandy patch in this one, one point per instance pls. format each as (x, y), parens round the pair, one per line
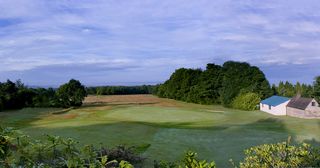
(101, 102)
(69, 116)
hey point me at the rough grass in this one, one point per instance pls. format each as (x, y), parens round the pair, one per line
(170, 127)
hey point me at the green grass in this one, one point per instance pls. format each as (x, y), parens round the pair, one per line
(216, 133)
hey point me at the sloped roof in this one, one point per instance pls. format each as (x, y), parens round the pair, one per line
(275, 100)
(299, 102)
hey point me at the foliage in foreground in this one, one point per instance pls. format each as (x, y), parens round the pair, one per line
(281, 155)
(246, 101)
(18, 150)
(190, 160)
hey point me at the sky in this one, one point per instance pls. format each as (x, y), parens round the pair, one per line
(129, 42)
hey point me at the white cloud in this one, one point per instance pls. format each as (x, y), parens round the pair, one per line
(164, 34)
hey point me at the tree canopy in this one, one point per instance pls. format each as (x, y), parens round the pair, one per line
(241, 77)
(216, 84)
(288, 89)
(71, 94)
(15, 95)
(316, 92)
(120, 90)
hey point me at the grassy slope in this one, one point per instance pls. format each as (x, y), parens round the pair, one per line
(170, 127)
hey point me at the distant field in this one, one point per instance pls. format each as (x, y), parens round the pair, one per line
(171, 127)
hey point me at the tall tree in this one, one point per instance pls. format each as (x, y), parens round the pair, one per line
(207, 91)
(240, 77)
(71, 94)
(180, 84)
(316, 88)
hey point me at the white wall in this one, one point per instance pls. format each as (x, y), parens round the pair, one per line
(281, 109)
(315, 109)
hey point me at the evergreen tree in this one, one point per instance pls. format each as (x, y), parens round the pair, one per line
(316, 88)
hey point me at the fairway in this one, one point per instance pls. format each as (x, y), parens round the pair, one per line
(170, 127)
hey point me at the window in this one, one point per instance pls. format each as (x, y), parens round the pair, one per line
(269, 107)
(313, 104)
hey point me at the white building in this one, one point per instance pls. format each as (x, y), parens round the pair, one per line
(276, 105)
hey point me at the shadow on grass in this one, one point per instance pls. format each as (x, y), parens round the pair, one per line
(24, 117)
(98, 104)
(217, 142)
(269, 124)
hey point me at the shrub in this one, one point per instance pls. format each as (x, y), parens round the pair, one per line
(281, 155)
(190, 160)
(164, 164)
(122, 152)
(246, 101)
(18, 150)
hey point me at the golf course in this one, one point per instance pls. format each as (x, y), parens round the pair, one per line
(165, 128)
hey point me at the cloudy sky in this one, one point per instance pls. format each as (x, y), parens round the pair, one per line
(46, 42)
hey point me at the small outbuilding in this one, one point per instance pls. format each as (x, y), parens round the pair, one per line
(303, 107)
(276, 105)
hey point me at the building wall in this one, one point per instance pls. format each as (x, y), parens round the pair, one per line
(309, 112)
(294, 112)
(314, 108)
(275, 110)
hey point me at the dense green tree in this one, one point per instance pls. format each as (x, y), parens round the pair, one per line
(216, 84)
(44, 97)
(121, 90)
(306, 90)
(71, 94)
(207, 91)
(22, 96)
(274, 89)
(9, 93)
(180, 83)
(14, 95)
(241, 77)
(316, 88)
(298, 88)
(1, 103)
(288, 89)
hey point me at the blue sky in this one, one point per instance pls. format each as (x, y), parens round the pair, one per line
(46, 42)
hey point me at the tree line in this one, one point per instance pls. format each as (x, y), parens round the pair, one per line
(216, 84)
(120, 90)
(233, 84)
(288, 89)
(15, 95)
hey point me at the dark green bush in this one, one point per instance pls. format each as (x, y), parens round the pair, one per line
(190, 160)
